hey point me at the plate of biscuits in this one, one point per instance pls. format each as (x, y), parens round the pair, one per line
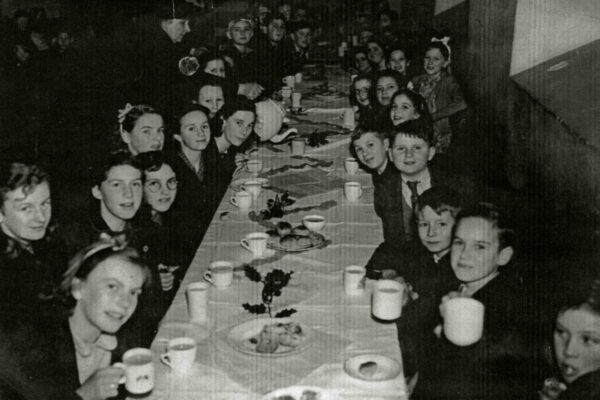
(301, 393)
(270, 337)
(294, 240)
(372, 367)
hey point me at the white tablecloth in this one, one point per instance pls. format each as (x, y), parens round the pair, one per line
(342, 325)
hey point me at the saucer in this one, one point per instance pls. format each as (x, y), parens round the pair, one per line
(380, 367)
(268, 253)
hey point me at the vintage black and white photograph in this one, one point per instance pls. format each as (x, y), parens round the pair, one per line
(299, 199)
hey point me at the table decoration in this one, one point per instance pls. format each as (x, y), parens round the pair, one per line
(273, 283)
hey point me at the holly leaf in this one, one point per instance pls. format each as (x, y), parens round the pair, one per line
(252, 273)
(285, 313)
(255, 308)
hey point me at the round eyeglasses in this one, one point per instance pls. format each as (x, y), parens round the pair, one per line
(156, 186)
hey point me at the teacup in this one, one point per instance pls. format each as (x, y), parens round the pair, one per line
(352, 190)
(220, 274)
(255, 242)
(197, 301)
(298, 145)
(254, 166)
(349, 121)
(314, 222)
(252, 187)
(351, 165)
(286, 92)
(354, 279)
(296, 99)
(387, 299)
(180, 354)
(289, 81)
(242, 200)
(139, 370)
(463, 320)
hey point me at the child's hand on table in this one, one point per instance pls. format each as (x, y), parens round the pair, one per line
(103, 384)
(167, 278)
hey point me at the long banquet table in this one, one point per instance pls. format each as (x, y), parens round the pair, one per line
(342, 325)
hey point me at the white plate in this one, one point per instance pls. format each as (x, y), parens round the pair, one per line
(240, 335)
(387, 368)
(236, 185)
(296, 393)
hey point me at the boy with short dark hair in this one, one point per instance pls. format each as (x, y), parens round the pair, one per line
(429, 272)
(498, 365)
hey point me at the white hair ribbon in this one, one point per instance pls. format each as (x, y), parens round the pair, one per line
(123, 112)
(444, 41)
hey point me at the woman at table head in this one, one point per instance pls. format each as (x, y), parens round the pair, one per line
(101, 287)
(576, 347)
(141, 128)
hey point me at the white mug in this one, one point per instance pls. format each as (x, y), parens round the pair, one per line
(220, 274)
(354, 40)
(296, 98)
(254, 166)
(463, 320)
(252, 187)
(289, 81)
(351, 165)
(242, 200)
(139, 370)
(387, 299)
(255, 242)
(180, 354)
(298, 145)
(197, 299)
(349, 121)
(354, 279)
(298, 77)
(286, 92)
(352, 190)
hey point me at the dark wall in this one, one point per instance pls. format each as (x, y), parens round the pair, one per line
(524, 142)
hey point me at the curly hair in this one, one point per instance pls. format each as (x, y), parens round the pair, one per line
(15, 175)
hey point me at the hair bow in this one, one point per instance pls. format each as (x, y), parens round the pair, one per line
(124, 112)
(107, 241)
(444, 41)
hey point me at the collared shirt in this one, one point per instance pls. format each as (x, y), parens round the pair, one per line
(438, 256)
(469, 289)
(424, 184)
(92, 356)
(199, 171)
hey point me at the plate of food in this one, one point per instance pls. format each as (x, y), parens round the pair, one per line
(270, 337)
(372, 367)
(301, 393)
(294, 240)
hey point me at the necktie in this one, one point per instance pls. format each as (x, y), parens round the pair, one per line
(414, 194)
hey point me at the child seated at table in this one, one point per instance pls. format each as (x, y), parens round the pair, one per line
(497, 366)
(576, 345)
(68, 355)
(441, 91)
(370, 147)
(140, 129)
(426, 269)
(116, 190)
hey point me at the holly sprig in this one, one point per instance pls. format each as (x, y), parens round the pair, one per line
(273, 282)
